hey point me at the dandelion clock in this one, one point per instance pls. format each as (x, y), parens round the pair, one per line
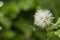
(42, 18)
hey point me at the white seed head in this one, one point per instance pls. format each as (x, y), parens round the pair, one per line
(42, 18)
(1, 3)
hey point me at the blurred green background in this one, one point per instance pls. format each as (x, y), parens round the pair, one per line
(17, 20)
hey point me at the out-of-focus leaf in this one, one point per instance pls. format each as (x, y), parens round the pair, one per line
(40, 35)
(12, 9)
(55, 25)
(53, 37)
(57, 33)
(24, 26)
(28, 4)
(5, 21)
(4, 9)
(8, 34)
(58, 22)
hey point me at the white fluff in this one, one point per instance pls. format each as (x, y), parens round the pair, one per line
(42, 18)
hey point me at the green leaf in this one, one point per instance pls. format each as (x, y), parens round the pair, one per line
(5, 21)
(58, 21)
(57, 33)
(8, 34)
(54, 25)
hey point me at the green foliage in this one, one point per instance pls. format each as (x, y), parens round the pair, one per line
(28, 4)
(57, 33)
(17, 20)
(8, 34)
(24, 26)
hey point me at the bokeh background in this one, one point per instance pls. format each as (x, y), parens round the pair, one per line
(17, 20)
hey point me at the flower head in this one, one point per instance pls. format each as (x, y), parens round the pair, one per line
(42, 18)
(1, 3)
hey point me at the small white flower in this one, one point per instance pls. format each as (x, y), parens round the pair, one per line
(42, 18)
(1, 3)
